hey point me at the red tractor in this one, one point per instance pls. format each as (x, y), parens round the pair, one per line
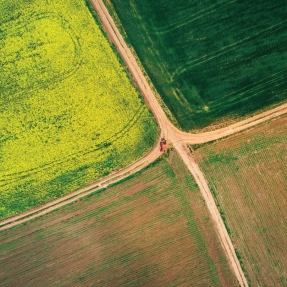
(162, 145)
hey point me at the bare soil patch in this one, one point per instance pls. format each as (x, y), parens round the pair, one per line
(159, 235)
(247, 174)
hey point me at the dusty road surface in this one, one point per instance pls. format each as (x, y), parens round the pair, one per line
(168, 129)
(173, 135)
(180, 139)
(71, 197)
(226, 243)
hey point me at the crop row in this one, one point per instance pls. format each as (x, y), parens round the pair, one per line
(247, 175)
(76, 117)
(151, 230)
(211, 62)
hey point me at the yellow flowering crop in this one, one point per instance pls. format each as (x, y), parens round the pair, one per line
(68, 112)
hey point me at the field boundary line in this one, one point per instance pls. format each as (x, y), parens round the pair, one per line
(114, 177)
(171, 133)
(214, 213)
(253, 121)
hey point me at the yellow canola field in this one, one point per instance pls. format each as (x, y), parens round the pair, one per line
(69, 114)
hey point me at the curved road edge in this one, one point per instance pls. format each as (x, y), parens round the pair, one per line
(74, 196)
(177, 137)
(213, 211)
(232, 129)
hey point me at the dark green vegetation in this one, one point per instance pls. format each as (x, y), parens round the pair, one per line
(211, 61)
(151, 230)
(247, 174)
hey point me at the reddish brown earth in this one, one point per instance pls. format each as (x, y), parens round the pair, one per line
(178, 138)
(248, 174)
(158, 234)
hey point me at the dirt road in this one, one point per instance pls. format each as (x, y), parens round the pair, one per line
(178, 138)
(168, 129)
(226, 243)
(74, 196)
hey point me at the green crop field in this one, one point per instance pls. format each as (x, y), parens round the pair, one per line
(211, 61)
(150, 230)
(69, 113)
(247, 174)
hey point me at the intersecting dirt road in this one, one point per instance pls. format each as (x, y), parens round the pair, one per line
(178, 138)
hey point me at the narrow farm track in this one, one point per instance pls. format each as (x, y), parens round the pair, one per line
(178, 138)
(74, 196)
(225, 240)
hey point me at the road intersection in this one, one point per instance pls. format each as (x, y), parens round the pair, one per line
(173, 135)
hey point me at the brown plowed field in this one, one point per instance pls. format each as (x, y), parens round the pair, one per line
(247, 174)
(172, 134)
(152, 230)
